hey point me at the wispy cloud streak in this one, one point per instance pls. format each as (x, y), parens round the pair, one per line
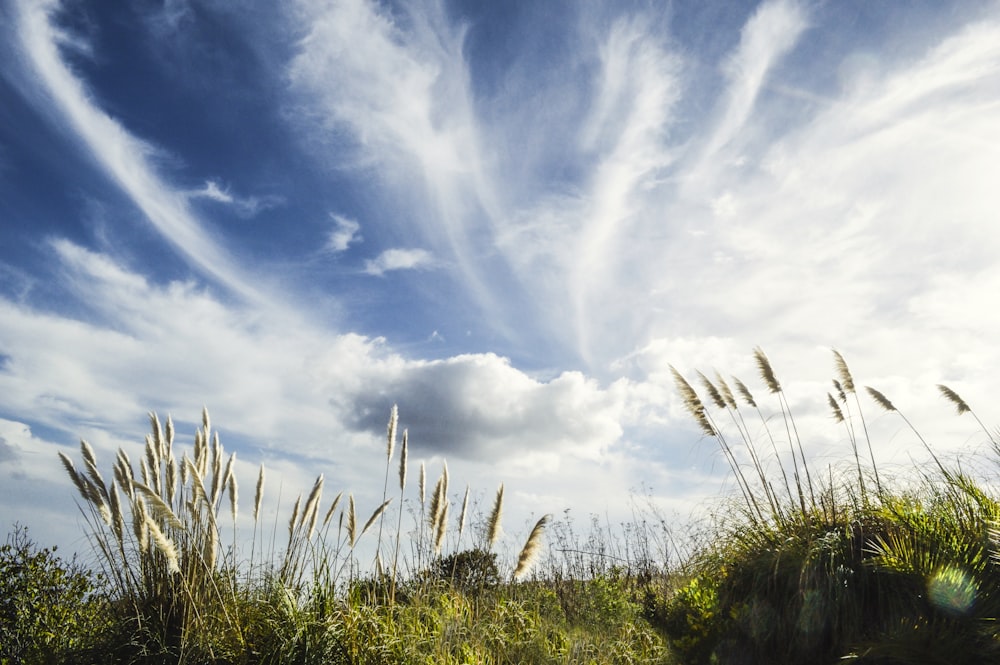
(128, 161)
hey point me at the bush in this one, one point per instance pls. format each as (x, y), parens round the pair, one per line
(49, 611)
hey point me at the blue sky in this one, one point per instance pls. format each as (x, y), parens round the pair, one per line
(508, 218)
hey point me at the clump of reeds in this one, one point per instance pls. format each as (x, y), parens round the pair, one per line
(157, 527)
(839, 572)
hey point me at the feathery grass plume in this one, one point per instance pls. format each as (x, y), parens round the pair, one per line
(884, 402)
(441, 528)
(532, 548)
(493, 523)
(153, 459)
(158, 508)
(164, 544)
(312, 502)
(692, 403)
(880, 399)
(953, 397)
(233, 496)
(74, 476)
(147, 475)
(713, 392)
(727, 393)
(171, 477)
(158, 438)
(840, 365)
(766, 372)
(840, 391)
(211, 546)
(200, 452)
(123, 472)
(230, 469)
(117, 518)
(838, 415)
(744, 392)
(462, 514)
(352, 521)
(696, 408)
(198, 492)
(90, 461)
(259, 494)
(422, 484)
(333, 508)
(963, 407)
(312, 507)
(375, 515)
(170, 433)
(295, 517)
(845, 386)
(402, 460)
(391, 432)
(389, 448)
(88, 453)
(206, 422)
(436, 503)
(216, 469)
(139, 524)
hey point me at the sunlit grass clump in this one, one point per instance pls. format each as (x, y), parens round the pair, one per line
(814, 571)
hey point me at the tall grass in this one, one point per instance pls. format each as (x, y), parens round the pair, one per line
(160, 528)
(802, 565)
(837, 569)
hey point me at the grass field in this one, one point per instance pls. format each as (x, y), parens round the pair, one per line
(798, 567)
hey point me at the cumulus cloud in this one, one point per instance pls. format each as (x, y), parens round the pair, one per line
(479, 407)
(399, 259)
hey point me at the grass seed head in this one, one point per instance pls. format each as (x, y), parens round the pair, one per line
(164, 545)
(402, 461)
(532, 548)
(766, 371)
(333, 508)
(880, 399)
(713, 392)
(258, 495)
(352, 521)
(441, 528)
(954, 398)
(838, 415)
(744, 392)
(391, 432)
(843, 373)
(375, 515)
(496, 514)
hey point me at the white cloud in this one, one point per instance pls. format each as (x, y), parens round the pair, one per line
(126, 159)
(245, 207)
(479, 407)
(399, 259)
(769, 35)
(343, 234)
(212, 191)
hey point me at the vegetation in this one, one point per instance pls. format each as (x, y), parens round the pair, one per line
(818, 573)
(799, 567)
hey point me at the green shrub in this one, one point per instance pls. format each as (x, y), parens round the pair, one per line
(49, 611)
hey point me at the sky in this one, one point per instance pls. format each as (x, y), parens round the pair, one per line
(510, 219)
